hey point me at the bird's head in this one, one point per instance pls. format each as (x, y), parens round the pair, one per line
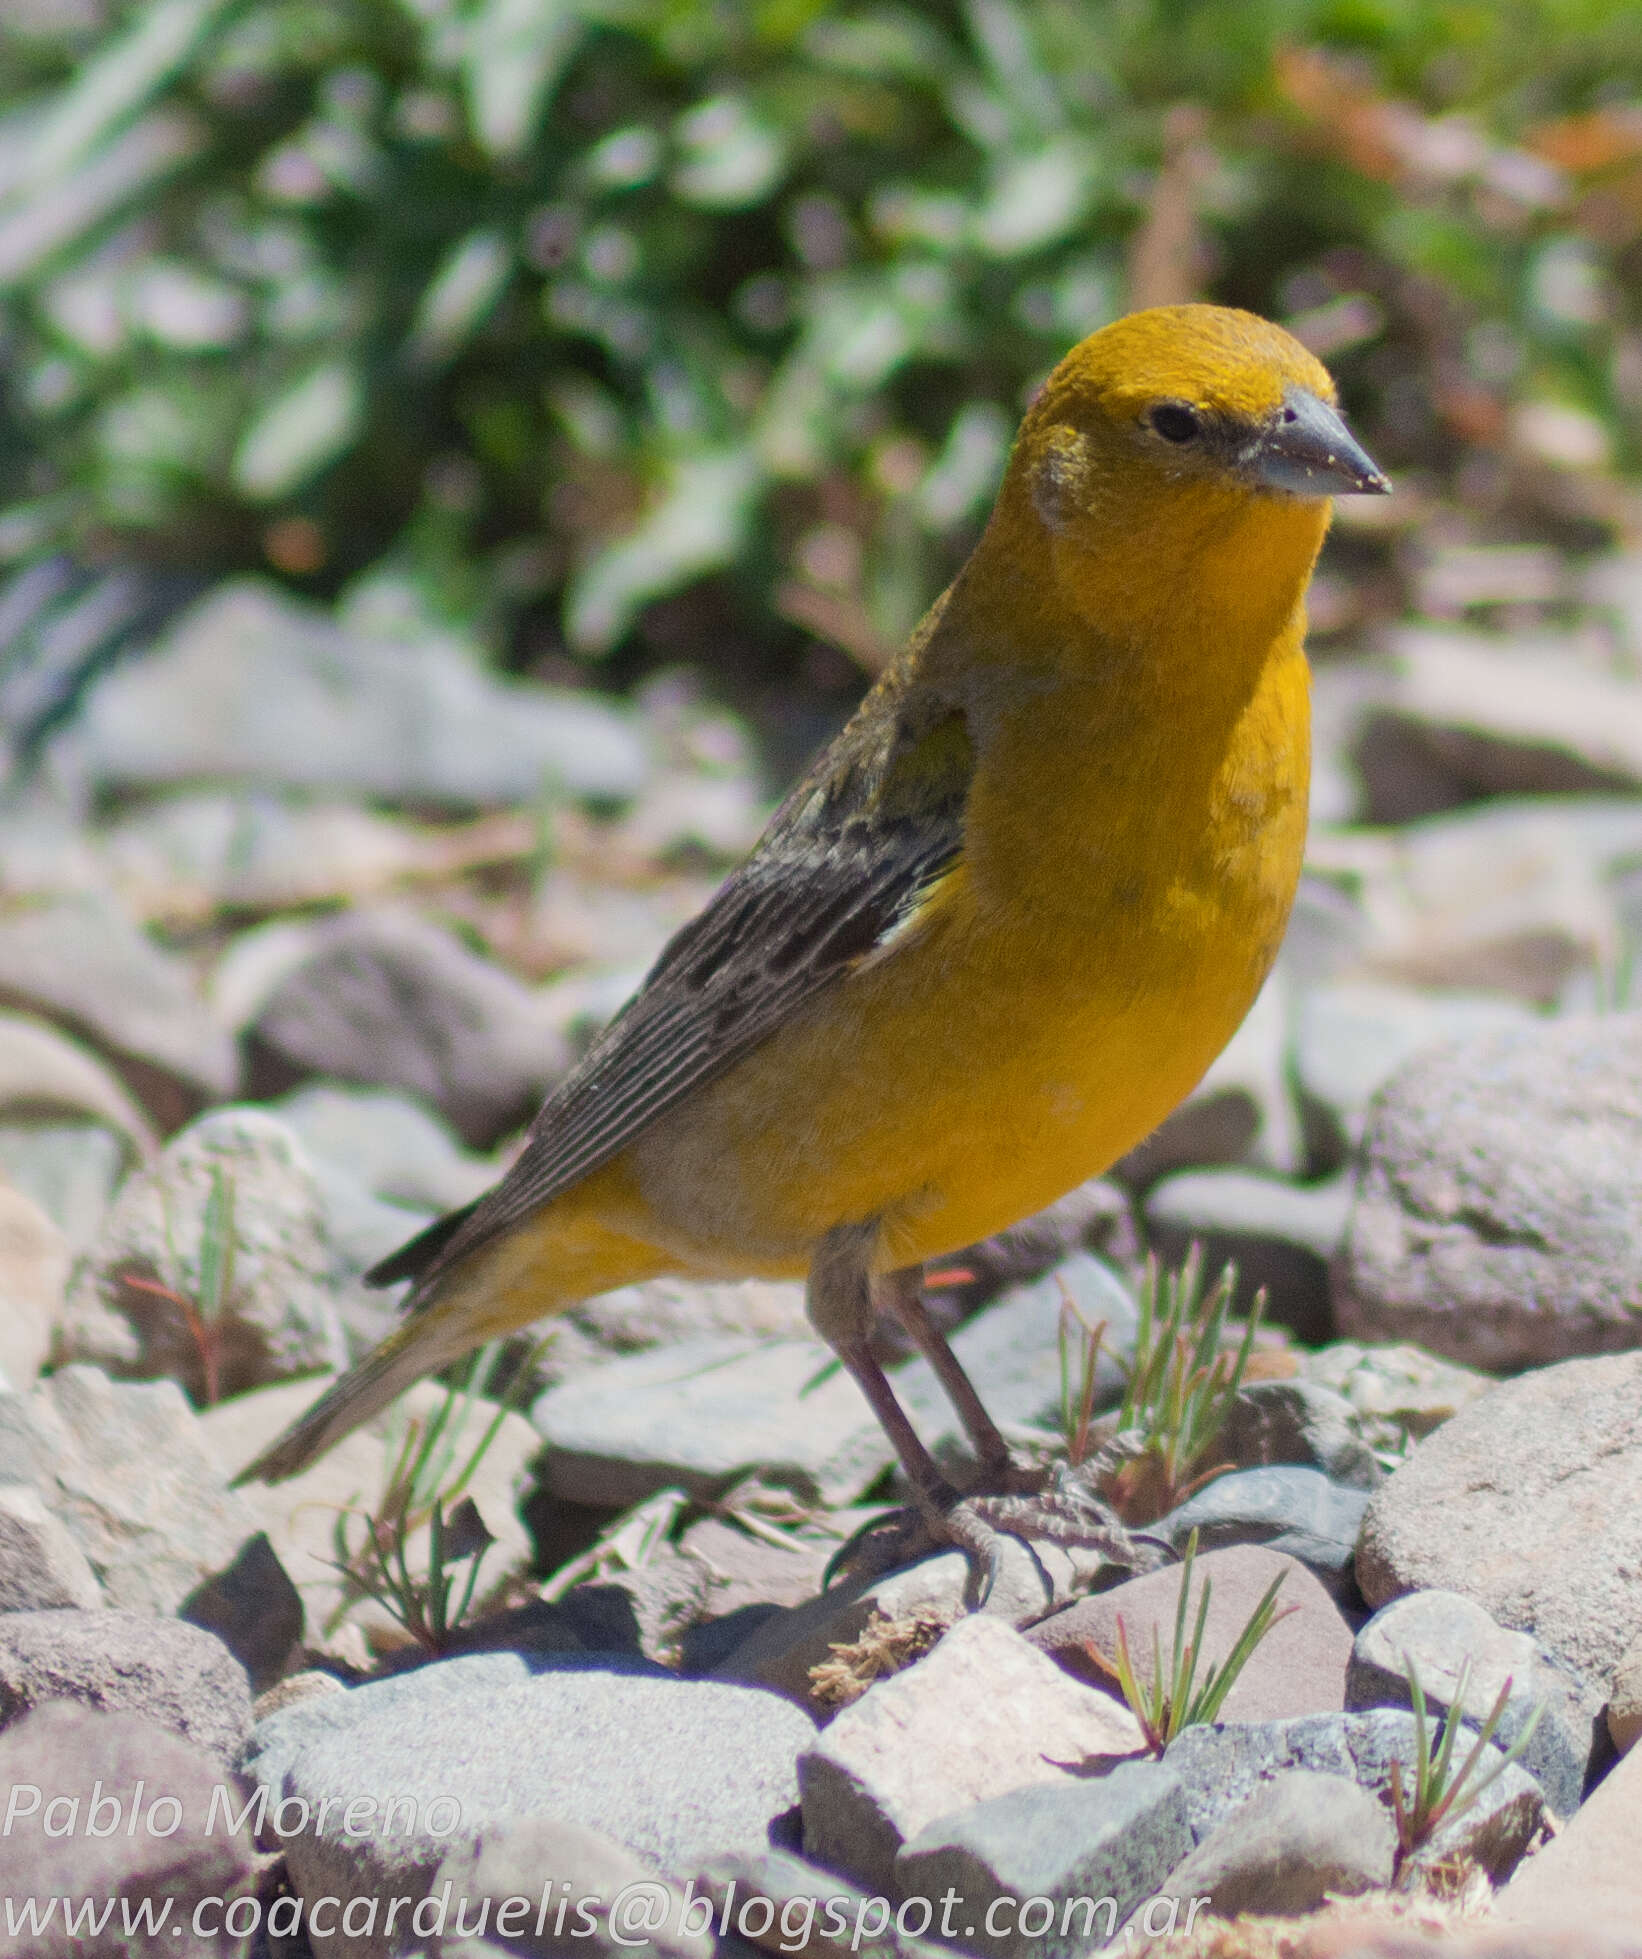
(1182, 439)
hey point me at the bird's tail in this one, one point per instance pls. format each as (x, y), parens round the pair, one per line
(396, 1363)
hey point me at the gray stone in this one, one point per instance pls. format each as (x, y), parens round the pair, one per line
(702, 1414)
(45, 1076)
(1290, 1509)
(254, 1609)
(1109, 1841)
(1505, 716)
(70, 1169)
(813, 1913)
(82, 964)
(34, 1262)
(1530, 1503)
(1624, 1714)
(41, 1566)
(1440, 1632)
(173, 1674)
(1588, 1874)
(386, 998)
(148, 1814)
(123, 1468)
(1279, 1235)
(390, 1143)
(234, 1190)
(787, 1646)
(1351, 1036)
(1397, 1395)
(250, 685)
(1274, 1422)
(665, 1312)
(1299, 1839)
(1298, 1668)
(1241, 1111)
(677, 1771)
(505, 1872)
(981, 1714)
(1221, 1767)
(1496, 1214)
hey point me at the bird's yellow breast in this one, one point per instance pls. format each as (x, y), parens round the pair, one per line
(1128, 869)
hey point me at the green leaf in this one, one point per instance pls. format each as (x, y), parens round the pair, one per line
(459, 298)
(299, 432)
(729, 159)
(515, 52)
(113, 85)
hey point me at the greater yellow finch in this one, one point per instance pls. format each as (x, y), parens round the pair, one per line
(996, 933)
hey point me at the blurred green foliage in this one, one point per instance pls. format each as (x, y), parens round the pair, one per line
(564, 305)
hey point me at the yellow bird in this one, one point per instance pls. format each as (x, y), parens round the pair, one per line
(995, 934)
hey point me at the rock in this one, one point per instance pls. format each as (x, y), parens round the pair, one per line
(41, 1566)
(69, 1169)
(390, 1143)
(1299, 1839)
(83, 965)
(1502, 899)
(1297, 1422)
(122, 1467)
(249, 685)
(300, 1515)
(1625, 1700)
(702, 1414)
(782, 1904)
(1221, 1767)
(982, 1714)
(1589, 1869)
(1495, 1220)
(1502, 716)
(188, 858)
(107, 1806)
(1241, 1111)
(754, 1571)
(786, 1647)
(1527, 1502)
(34, 1261)
(1280, 1236)
(1298, 1668)
(665, 1312)
(1438, 1632)
(254, 1609)
(1294, 1511)
(677, 1771)
(594, 1881)
(228, 1220)
(1351, 1037)
(173, 1674)
(1056, 1854)
(384, 998)
(44, 1075)
(1397, 1395)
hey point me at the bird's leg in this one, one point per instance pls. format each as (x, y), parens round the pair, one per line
(841, 1308)
(904, 1293)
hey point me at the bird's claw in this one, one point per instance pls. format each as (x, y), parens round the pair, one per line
(1057, 1510)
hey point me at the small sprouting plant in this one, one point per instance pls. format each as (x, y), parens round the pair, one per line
(1172, 1696)
(1079, 1345)
(427, 1485)
(1178, 1392)
(203, 1312)
(1440, 1794)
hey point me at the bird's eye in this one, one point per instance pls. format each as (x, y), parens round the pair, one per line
(1175, 422)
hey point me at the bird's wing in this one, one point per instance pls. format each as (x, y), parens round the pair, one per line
(846, 860)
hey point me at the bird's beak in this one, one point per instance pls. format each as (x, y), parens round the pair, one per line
(1307, 451)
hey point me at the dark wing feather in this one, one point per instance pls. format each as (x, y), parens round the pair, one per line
(847, 858)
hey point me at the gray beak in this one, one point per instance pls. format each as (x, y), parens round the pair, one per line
(1307, 451)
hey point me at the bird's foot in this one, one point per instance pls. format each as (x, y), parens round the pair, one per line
(1035, 1506)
